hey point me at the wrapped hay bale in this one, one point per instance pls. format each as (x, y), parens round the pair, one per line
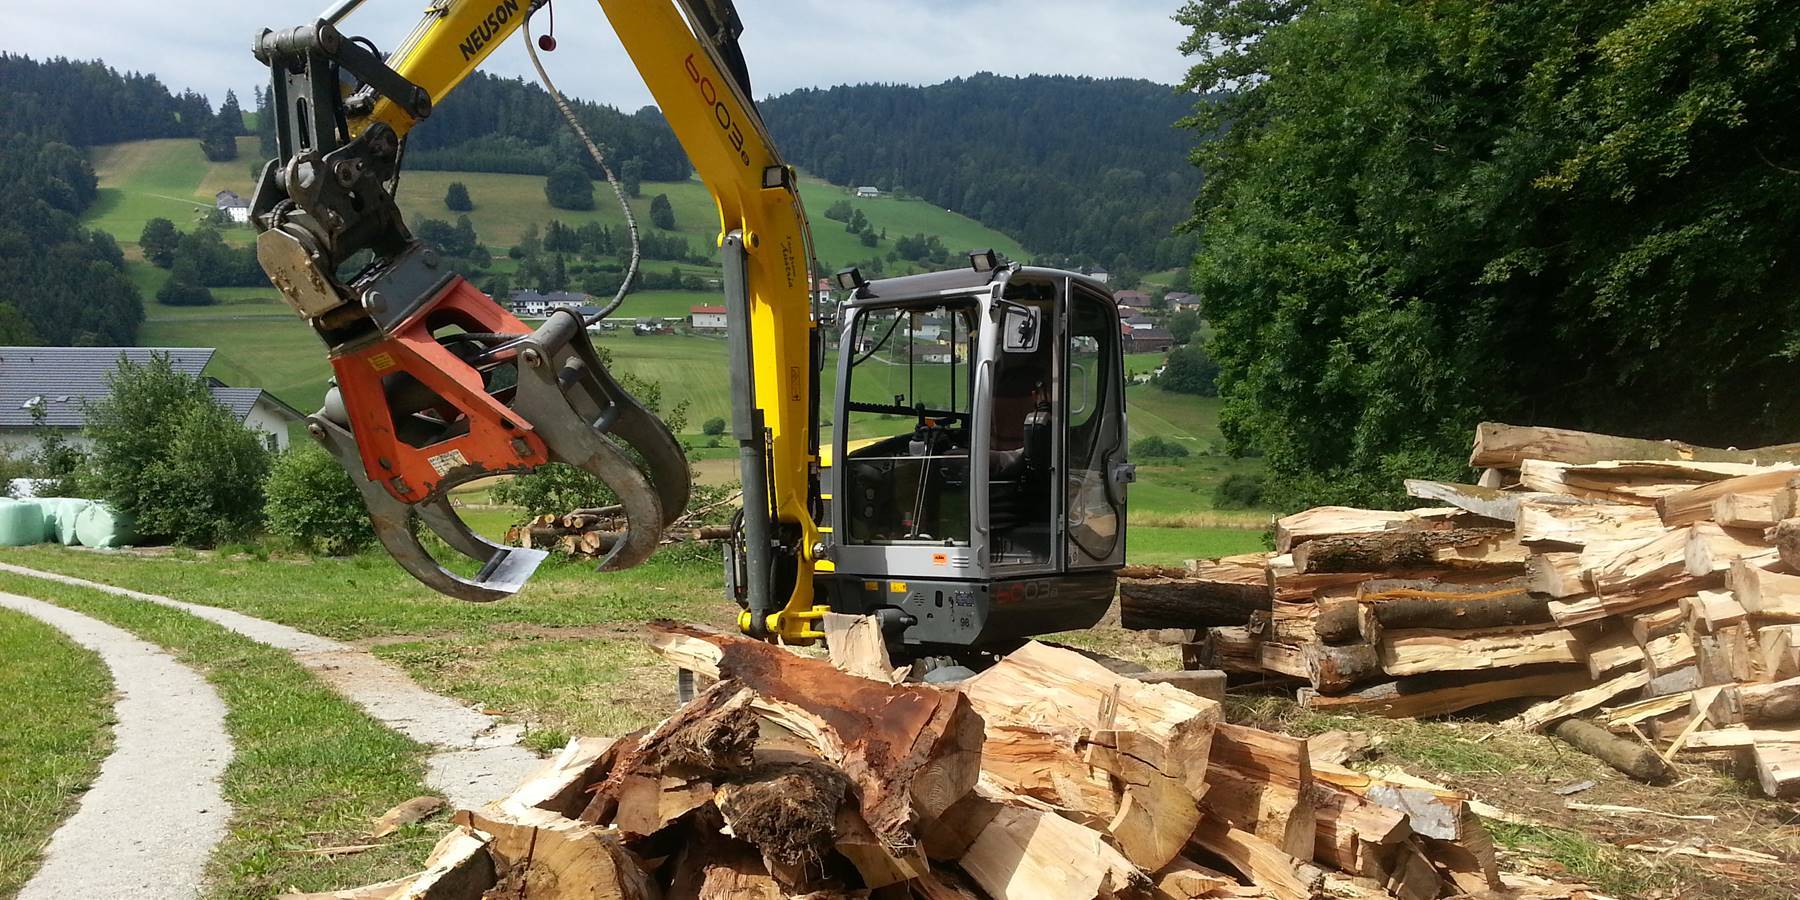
(99, 525)
(21, 523)
(60, 515)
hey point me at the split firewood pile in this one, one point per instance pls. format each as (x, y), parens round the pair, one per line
(1046, 777)
(1647, 592)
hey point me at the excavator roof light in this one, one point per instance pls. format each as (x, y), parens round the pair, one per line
(850, 279)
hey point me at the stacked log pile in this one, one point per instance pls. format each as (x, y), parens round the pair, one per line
(1593, 572)
(591, 533)
(1046, 776)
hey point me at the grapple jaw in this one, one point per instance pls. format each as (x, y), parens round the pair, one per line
(460, 391)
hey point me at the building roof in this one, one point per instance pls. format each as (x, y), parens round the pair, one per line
(1153, 335)
(1137, 320)
(64, 379)
(66, 376)
(706, 311)
(1131, 296)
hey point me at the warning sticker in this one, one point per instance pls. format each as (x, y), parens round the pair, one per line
(381, 362)
(444, 463)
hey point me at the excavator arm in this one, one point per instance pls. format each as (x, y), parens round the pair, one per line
(437, 385)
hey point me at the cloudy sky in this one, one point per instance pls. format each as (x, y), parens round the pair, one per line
(203, 44)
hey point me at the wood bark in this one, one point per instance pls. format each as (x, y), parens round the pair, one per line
(1212, 596)
(1440, 694)
(1334, 669)
(1325, 521)
(1408, 550)
(1505, 446)
(1628, 756)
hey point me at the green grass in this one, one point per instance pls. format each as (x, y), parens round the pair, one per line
(1152, 546)
(310, 769)
(58, 709)
(959, 233)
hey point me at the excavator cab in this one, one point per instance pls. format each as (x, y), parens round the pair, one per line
(977, 489)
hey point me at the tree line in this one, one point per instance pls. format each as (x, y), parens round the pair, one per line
(1578, 213)
(1079, 170)
(60, 284)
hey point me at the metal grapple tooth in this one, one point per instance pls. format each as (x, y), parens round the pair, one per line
(504, 570)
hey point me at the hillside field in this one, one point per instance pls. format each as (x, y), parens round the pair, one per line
(261, 343)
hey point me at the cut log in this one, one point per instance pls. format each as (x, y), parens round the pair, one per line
(459, 867)
(1628, 756)
(1580, 524)
(1594, 486)
(648, 804)
(1263, 863)
(1778, 770)
(1210, 595)
(1185, 879)
(1348, 825)
(1492, 548)
(907, 765)
(1262, 783)
(1712, 549)
(1233, 650)
(1746, 510)
(1611, 568)
(1339, 621)
(1325, 521)
(1578, 610)
(1695, 504)
(1617, 649)
(1440, 694)
(1739, 737)
(1479, 500)
(560, 784)
(1292, 623)
(1401, 605)
(1550, 712)
(536, 847)
(1336, 669)
(1422, 651)
(1659, 621)
(1557, 574)
(1757, 704)
(1094, 728)
(1029, 854)
(1764, 593)
(1709, 611)
(1780, 650)
(1786, 535)
(1504, 446)
(1283, 659)
(858, 647)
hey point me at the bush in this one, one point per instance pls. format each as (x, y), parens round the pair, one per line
(159, 241)
(568, 187)
(181, 292)
(1157, 447)
(1239, 492)
(174, 460)
(313, 501)
(714, 426)
(456, 198)
(1190, 371)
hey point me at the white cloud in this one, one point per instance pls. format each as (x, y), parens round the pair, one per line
(204, 44)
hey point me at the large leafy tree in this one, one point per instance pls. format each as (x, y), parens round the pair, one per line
(1421, 214)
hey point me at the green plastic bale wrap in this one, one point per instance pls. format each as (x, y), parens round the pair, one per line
(60, 514)
(98, 525)
(21, 523)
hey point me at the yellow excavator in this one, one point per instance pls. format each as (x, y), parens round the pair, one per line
(978, 424)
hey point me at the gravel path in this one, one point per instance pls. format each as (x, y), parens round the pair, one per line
(475, 759)
(147, 826)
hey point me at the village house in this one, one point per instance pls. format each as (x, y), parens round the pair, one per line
(235, 208)
(868, 193)
(1132, 298)
(534, 305)
(1148, 339)
(63, 381)
(707, 318)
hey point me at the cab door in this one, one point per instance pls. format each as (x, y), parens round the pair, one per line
(1094, 435)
